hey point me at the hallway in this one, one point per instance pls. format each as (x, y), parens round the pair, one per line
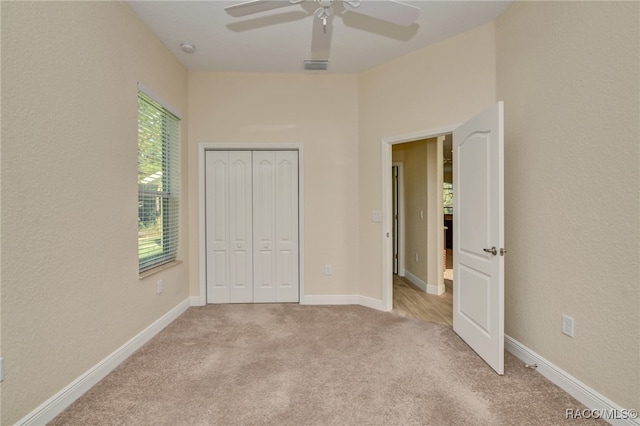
(409, 301)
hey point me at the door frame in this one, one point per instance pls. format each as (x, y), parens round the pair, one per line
(201, 299)
(401, 225)
(387, 212)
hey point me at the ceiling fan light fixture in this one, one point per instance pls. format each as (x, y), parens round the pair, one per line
(323, 13)
(316, 64)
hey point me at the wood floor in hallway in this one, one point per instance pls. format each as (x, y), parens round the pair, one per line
(410, 301)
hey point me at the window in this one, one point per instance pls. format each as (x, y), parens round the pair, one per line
(447, 197)
(158, 183)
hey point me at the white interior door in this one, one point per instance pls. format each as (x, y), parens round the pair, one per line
(275, 195)
(478, 295)
(229, 226)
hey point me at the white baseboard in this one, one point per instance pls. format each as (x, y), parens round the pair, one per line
(197, 301)
(583, 393)
(319, 300)
(342, 300)
(57, 403)
(370, 303)
(428, 288)
(435, 289)
(415, 280)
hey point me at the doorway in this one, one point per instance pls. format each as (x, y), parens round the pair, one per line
(434, 261)
(419, 290)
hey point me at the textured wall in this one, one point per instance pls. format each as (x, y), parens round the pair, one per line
(422, 178)
(70, 288)
(435, 216)
(319, 111)
(568, 73)
(438, 86)
(414, 157)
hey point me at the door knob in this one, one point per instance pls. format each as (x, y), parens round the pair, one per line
(492, 250)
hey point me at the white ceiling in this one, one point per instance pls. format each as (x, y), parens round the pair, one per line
(278, 40)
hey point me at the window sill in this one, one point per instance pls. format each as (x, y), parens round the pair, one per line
(157, 269)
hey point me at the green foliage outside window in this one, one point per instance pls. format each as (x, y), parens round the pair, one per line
(158, 183)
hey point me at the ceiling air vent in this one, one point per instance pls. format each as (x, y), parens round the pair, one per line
(316, 64)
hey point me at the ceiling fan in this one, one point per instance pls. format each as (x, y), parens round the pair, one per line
(388, 10)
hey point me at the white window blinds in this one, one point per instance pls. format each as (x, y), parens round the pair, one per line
(158, 183)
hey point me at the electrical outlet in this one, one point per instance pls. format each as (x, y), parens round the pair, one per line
(328, 270)
(567, 325)
(159, 287)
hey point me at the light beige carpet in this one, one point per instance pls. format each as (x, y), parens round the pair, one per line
(314, 365)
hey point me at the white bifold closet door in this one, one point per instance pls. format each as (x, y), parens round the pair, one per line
(229, 215)
(252, 226)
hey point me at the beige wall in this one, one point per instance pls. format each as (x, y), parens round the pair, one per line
(438, 86)
(568, 73)
(318, 111)
(70, 288)
(414, 158)
(423, 234)
(435, 217)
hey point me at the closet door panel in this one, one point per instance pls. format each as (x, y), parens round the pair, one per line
(217, 224)
(229, 229)
(264, 219)
(240, 227)
(286, 226)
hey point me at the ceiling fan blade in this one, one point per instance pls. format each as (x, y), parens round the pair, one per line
(255, 6)
(390, 10)
(321, 35)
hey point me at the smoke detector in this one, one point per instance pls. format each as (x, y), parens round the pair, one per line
(188, 47)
